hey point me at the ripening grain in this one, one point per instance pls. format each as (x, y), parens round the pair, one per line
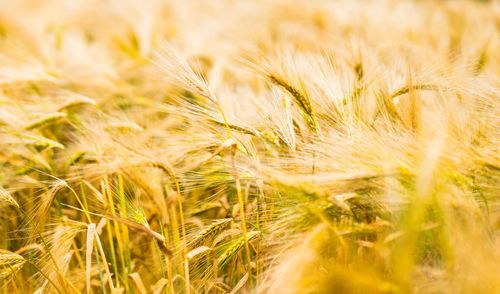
(264, 146)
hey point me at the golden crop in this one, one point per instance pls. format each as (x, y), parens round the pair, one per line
(264, 146)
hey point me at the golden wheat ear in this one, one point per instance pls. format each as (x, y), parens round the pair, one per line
(7, 198)
(210, 232)
(10, 263)
(301, 99)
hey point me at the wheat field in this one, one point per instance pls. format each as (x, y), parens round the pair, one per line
(189, 146)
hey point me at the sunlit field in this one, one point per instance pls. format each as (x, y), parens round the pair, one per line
(224, 146)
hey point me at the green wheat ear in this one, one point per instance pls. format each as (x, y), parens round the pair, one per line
(235, 246)
(77, 100)
(39, 141)
(46, 120)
